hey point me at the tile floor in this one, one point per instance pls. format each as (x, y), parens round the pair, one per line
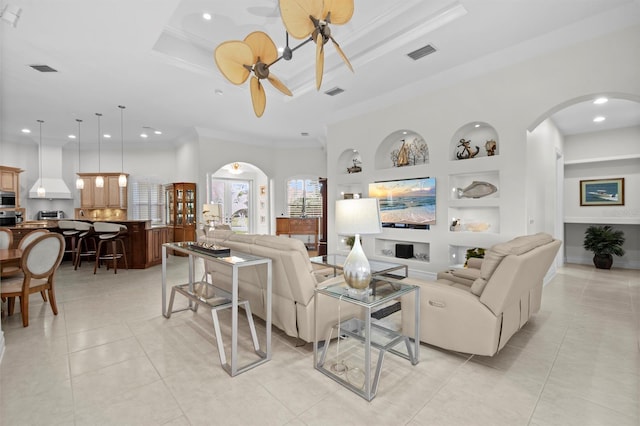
(110, 358)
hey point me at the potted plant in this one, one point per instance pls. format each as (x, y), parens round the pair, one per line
(603, 241)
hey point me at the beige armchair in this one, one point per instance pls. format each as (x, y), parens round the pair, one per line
(477, 310)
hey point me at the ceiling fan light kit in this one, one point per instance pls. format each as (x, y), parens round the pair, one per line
(309, 19)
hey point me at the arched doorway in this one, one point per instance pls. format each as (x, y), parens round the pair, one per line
(241, 192)
(585, 148)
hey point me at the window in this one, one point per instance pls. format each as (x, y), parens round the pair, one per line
(304, 198)
(147, 201)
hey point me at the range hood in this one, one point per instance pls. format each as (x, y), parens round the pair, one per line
(52, 182)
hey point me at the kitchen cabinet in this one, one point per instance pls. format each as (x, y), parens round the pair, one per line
(109, 196)
(156, 237)
(10, 181)
(181, 211)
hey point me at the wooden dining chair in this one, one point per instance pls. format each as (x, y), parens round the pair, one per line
(6, 238)
(39, 263)
(13, 269)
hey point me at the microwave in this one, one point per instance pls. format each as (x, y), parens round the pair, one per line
(7, 199)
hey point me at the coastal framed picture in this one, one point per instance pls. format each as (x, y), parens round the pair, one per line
(602, 192)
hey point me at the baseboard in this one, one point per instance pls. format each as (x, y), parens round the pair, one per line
(617, 262)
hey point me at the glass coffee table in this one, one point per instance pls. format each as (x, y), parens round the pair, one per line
(344, 354)
(378, 267)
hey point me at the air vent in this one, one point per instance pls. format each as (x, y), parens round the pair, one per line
(334, 91)
(43, 68)
(422, 52)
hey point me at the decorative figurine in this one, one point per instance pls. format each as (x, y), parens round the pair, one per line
(491, 146)
(464, 150)
(356, 167)
(403, 155)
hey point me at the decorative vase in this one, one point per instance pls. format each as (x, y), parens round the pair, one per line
(356, 269)
(603, 261)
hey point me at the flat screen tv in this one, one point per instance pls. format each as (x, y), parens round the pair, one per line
(406, 203)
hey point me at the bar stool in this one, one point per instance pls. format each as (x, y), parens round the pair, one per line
(110, 234)
(86, 244)
(70, 234)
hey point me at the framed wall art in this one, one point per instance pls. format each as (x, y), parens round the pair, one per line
(602, 192)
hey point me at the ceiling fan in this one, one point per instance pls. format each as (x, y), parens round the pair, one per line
(238, 59)
(302, 18)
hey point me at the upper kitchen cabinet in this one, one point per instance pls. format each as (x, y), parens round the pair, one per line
(10, 181)
(106, 203)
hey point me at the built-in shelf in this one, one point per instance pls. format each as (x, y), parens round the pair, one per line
(403, 145)
(461, 181)
(602, 159)
(474, 140)
(475, 220)
(350, 162)
(386, 248)
(604, 220)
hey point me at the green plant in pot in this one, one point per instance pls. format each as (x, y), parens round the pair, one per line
(604, 242)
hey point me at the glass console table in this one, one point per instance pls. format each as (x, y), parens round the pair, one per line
(378, 267)
(214, 298)
(365, 334)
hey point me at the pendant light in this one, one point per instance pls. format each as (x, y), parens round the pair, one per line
(41, 191)
(122, 179)
(79, 180)
(99, 178)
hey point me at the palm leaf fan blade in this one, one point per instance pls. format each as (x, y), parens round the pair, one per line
(279, 85)
(231, 58)
(258, 97)
(341, 11)
(344, 57)
(319, 60)
(295, 16)
(262, 47)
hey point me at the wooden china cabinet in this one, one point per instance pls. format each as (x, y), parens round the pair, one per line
(181, 211)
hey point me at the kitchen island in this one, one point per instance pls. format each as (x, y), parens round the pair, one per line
(143, 241)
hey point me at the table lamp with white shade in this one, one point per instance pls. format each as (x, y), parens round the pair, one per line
(357, 216)
(212, 214)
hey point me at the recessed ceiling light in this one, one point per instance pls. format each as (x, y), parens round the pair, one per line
(107, 136)
(477, 125)
(206, 16)
(599, 119)
(157, 132)
(26, 131)
(144, 135)
(71, 136)
(601, 101)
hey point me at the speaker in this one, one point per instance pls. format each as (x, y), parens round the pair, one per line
(404, 251)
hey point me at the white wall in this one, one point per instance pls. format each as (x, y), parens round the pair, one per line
(511, 100)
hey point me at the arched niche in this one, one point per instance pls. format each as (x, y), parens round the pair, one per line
(350, 162)
(415, 148)
(474, 140)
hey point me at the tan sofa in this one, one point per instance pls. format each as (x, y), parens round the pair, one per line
(478, 309)
(294, 280)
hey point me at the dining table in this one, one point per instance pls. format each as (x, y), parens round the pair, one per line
(8, 255)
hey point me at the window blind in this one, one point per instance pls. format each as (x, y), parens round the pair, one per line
(148, 201)
(304, 198)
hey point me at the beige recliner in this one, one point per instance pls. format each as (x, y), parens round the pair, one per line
(478, 309)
